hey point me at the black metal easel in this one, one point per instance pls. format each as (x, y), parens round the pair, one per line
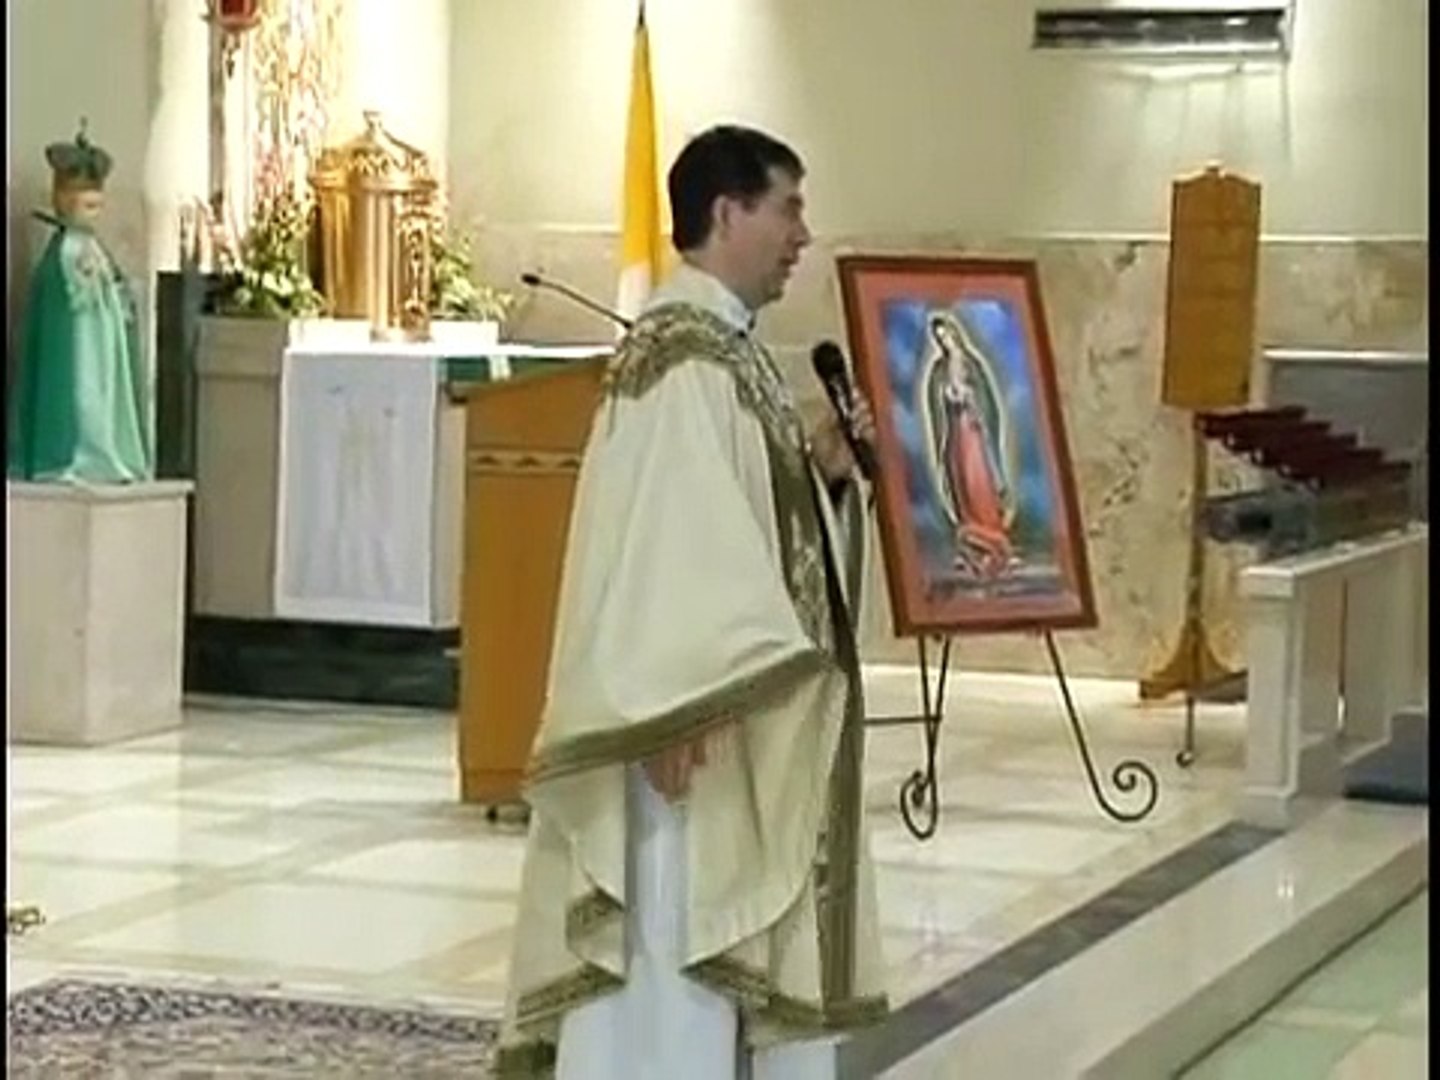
(920, 793)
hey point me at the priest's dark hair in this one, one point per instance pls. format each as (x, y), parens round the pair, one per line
(726, 160)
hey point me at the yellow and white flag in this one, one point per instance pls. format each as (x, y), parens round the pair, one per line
(641, 240)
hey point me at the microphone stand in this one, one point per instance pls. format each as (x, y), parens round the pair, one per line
(535, 281)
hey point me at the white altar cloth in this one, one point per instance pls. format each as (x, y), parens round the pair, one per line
(361, 477)
(357, 462)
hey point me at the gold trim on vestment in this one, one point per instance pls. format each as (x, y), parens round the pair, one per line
(756, 995)
(534, 1060)
(582, 984)
(664, 338)
(837, 872)
(638, 742)
(590, 911)
(673, 334)
(801, 541)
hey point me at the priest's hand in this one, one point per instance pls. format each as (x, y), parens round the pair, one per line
(832, 450)
(670, 770)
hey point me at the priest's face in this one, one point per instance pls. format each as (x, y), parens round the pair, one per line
(762, 239)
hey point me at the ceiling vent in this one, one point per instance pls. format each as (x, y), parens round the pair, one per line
(1167, 30)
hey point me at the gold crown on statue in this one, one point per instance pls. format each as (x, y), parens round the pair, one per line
(79, 164)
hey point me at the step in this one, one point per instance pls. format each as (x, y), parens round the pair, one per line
(1154, 996)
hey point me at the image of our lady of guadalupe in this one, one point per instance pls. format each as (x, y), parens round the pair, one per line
(970, 447)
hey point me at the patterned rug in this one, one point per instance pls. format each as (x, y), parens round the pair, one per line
(74, 1030)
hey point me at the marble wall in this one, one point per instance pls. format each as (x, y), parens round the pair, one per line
(1104, 302)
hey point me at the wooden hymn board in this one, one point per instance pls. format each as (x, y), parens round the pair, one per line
(1210, 302)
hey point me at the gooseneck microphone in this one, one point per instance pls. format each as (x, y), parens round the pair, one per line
(834, 375)
(535, 281)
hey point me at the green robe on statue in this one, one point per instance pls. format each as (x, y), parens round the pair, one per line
(79, 412)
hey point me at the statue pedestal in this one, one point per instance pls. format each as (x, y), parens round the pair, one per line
(97, 610)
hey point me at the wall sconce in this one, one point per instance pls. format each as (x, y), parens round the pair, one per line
(234, 18)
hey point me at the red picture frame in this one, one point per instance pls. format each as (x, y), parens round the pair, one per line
(976, 497)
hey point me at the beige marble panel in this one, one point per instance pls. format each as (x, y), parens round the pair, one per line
(1105, 305)
(1368, 294)
(236, 465)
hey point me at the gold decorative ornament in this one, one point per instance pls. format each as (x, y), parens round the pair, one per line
(376, 198)
(414, 274)
(296, 60)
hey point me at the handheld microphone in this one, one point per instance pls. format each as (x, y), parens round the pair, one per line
(829, 364)
(535, 281)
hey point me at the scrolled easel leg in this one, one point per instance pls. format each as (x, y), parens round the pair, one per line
(1126, 776)
(1185, 756)
(920, 793)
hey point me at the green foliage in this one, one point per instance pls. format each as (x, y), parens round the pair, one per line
(454, 291)
(267, 277)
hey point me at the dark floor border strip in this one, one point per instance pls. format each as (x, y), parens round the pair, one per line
(933, 1015)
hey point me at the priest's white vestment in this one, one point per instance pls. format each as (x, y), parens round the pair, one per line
(704, 594)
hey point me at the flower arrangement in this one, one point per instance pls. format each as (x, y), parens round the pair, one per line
(454, 291)
(267, 276)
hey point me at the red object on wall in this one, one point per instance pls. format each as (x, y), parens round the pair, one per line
(233, 18)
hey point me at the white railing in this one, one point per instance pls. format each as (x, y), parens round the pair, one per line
(1353, 616)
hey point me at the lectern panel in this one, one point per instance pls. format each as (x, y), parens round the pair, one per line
(524, 442)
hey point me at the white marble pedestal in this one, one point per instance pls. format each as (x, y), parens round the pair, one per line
(97, 610)
(1352, 616)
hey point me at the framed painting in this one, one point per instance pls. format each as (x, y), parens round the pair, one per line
(978, 514)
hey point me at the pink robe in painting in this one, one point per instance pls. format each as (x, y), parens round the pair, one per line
(982, 534)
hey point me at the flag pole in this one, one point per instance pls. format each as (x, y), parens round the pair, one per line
(641, 258)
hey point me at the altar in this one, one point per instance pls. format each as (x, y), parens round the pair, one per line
(330, 473)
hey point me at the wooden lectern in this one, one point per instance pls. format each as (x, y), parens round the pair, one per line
(524, 439)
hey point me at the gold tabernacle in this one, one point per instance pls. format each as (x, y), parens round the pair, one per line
(375, 196)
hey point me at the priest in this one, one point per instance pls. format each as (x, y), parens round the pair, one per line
(697, 898)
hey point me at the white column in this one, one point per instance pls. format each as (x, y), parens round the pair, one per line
(1317, 658)
(1272, 728)
(177, 157)
(1293, 664)
(1297, 743)
(1377, 652)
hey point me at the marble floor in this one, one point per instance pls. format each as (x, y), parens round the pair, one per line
(322, 849)
(1364, 1015)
